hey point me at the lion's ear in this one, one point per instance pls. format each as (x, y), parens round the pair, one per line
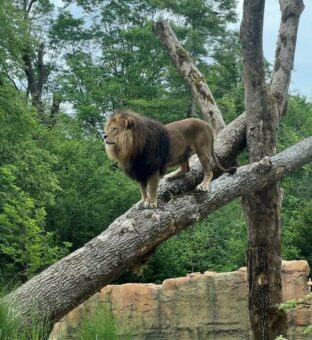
(129, 122)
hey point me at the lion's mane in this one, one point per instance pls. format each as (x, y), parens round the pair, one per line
(142, 147)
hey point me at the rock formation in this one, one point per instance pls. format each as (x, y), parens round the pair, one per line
(198, 306)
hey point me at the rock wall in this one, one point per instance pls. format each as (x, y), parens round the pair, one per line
(199, 306)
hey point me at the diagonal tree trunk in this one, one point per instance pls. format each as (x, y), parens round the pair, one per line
(135, 234)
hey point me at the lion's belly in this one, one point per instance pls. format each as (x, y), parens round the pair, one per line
(178, 156)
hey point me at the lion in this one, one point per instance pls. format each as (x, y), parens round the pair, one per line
(144, 148)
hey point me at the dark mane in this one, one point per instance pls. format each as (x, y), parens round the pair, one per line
(154, 152)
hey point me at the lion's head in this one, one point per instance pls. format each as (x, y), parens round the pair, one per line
(139, 144)
(123, 136)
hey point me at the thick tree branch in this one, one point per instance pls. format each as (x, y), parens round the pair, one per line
(191, 75)
(258, 104)
(136, 233)
(285, 50)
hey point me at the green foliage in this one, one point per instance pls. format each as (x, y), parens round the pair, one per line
(166, 110)
(292, 304)
(24, 245)
(11, 327)
(100, 324)
(297, 124)
(127, 66)
(27, 186)
(308, 330)
(9, 323)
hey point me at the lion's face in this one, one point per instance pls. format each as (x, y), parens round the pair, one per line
(119, 137)
(111, 132)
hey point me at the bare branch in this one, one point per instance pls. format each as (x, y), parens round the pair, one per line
(136, 233)
(31, 3)
(285, 50)
(191, 75)
(13, 82)
(232, 140)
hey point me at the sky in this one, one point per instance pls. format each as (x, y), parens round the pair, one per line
(301, 79)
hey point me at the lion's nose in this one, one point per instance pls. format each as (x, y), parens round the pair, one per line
(105, 136)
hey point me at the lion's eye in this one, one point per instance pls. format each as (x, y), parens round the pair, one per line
(114, 129)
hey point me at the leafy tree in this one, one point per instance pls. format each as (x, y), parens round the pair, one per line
(27, 186)
(25, 247)
(297, 124)
(120, 63)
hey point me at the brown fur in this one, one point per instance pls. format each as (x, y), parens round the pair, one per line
(144, 148)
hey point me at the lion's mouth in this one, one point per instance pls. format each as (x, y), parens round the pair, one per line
(109, 143)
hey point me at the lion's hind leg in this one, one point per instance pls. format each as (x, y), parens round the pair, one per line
(208, 174)
(183, 169)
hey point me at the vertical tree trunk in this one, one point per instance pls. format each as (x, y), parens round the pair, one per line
(262, 208)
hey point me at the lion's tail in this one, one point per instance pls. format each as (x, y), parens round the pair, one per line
(230, 170)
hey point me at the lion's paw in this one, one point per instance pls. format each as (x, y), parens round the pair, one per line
(139, 205)
(168, 178)
(150, 205)
(201, 187)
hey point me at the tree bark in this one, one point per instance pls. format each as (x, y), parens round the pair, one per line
(135, 234)
(262, 208)
(285, 51)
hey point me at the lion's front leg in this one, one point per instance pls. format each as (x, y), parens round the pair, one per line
(143, 191)
(152, 183)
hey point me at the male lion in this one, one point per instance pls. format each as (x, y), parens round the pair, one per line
(144, 148)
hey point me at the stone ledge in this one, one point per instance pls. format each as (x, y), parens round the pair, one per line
(199, 306)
